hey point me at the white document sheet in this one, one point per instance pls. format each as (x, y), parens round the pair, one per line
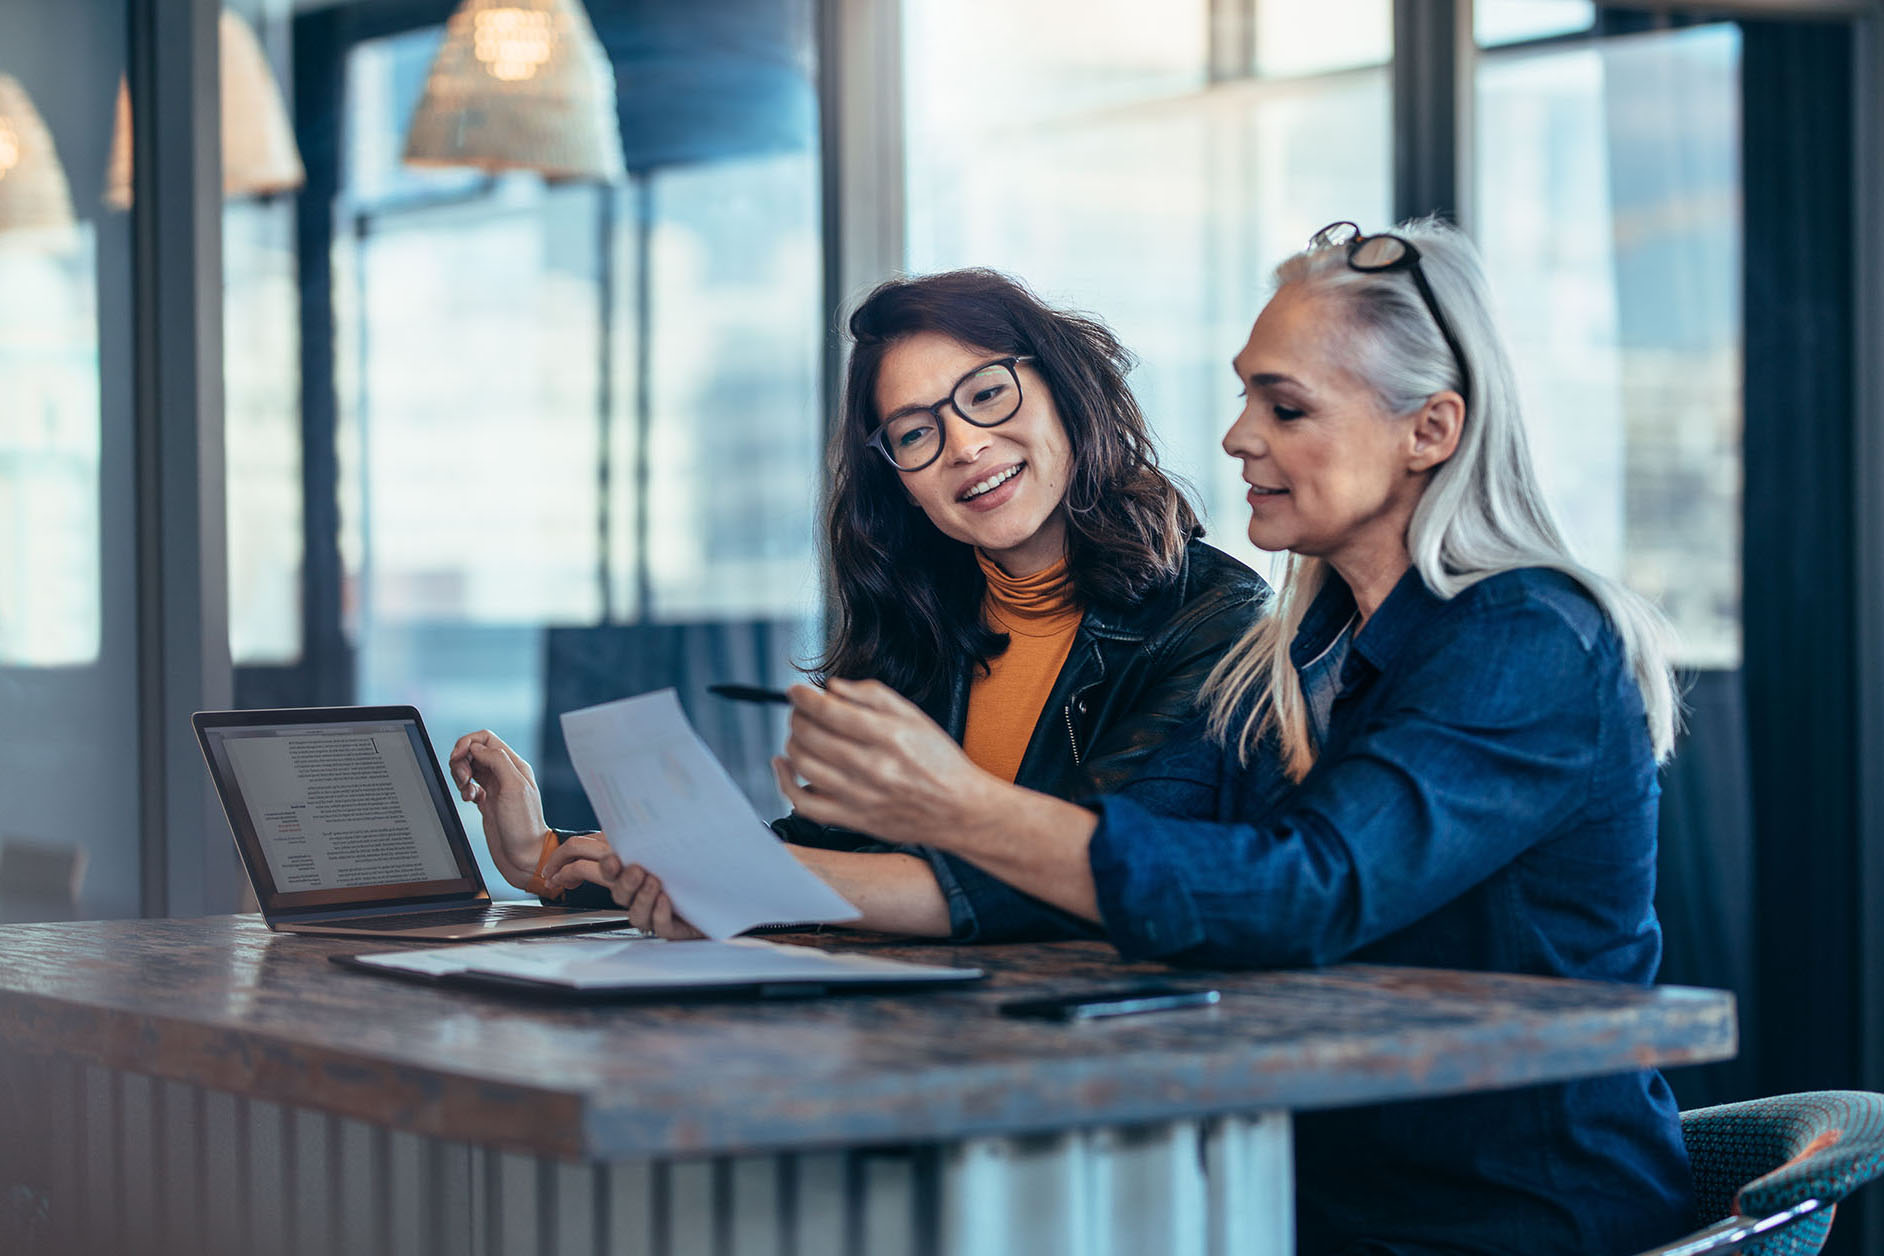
(667, 804)
(650, 964)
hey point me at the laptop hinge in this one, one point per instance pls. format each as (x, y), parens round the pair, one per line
(324, 915)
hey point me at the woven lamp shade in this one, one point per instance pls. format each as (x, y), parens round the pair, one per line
(520, 85)
(259, 156)
(33, 190)
(118, 163)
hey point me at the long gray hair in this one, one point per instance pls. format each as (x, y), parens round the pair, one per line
(1481, 513)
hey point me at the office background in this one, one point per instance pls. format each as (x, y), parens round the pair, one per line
(307, 425)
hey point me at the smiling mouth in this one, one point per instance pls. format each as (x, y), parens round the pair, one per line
(1259, 491)
(981, 487)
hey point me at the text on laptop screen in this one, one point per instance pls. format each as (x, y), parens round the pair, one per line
(339, 806)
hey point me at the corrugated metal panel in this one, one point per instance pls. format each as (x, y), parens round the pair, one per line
(131, 1164)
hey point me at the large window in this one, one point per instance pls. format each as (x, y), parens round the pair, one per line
(262, 431)
(50, 585)
(736, 437)
(262, 436)
(69, 758)
(1153, 167)
(579, 422)
(1150, 166)
(1608, 207)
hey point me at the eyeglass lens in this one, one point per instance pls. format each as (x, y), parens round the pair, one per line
(1333, 234)
(986, 397)
(1377, 253)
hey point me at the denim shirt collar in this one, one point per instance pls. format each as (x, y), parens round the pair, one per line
(1396, 622)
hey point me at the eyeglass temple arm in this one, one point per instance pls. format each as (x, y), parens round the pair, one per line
(1445, 329)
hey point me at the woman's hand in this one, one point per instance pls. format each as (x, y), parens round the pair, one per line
(638, 890)
(871, 761)
(578, 859)
(495, 778)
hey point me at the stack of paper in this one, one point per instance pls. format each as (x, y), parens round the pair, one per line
(651, 965)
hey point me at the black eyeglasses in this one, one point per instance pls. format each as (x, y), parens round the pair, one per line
(1384, 252)
(987, 396)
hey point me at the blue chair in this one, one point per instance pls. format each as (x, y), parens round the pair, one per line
(1773, 1170)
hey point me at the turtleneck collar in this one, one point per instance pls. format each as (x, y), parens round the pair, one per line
(1028, 602)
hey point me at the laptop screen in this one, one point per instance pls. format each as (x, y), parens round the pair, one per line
(337, 807)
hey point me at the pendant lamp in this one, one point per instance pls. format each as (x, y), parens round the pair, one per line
(118, 161)
(33, 190)
(520, 85)
(259, 157)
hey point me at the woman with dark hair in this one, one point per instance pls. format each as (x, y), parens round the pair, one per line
(1003, 551)
(910, 583)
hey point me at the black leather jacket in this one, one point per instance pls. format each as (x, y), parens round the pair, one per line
(1130, 681)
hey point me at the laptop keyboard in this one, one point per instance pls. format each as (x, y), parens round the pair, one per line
(453, 916)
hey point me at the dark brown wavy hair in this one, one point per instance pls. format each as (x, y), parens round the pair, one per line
(908, 598)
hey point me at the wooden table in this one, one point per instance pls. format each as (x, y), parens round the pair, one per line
(206, 1086)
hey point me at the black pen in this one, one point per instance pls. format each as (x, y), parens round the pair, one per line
(750, 693)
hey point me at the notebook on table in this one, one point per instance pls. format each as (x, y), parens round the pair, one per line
(346, 826)
(647, 968)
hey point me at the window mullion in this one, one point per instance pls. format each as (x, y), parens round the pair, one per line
(1432, 115)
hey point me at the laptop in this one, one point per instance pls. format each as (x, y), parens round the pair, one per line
(346, 826)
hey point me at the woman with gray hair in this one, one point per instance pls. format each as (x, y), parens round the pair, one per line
(1439, 750)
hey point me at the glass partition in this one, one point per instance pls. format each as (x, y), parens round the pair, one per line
(1609, 211)
(69, 762)
(1499, 22)
(51, 581)
(1150, 166)
(553, 427)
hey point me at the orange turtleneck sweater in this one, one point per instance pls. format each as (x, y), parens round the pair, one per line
(1039, 616)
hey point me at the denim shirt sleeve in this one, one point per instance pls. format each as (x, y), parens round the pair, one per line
(984, 908)
(1180, 780)
(1484, 744)
(981, 908)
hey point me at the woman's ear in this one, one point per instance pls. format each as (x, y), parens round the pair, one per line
(1436, 430)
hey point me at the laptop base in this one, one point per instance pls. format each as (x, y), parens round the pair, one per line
(546, 922)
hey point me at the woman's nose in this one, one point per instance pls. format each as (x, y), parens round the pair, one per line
(1243, 440)
(966, 441)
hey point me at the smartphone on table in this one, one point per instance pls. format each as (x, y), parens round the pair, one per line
(1119, 1001)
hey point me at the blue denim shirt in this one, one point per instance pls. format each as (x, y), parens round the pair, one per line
(1484, 797)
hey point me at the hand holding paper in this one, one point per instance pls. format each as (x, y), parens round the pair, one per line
(667, 804)
(641, 893)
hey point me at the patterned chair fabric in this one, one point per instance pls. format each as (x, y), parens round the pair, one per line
(1766, 1155)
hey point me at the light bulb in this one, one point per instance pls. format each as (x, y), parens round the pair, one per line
(512, 44)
